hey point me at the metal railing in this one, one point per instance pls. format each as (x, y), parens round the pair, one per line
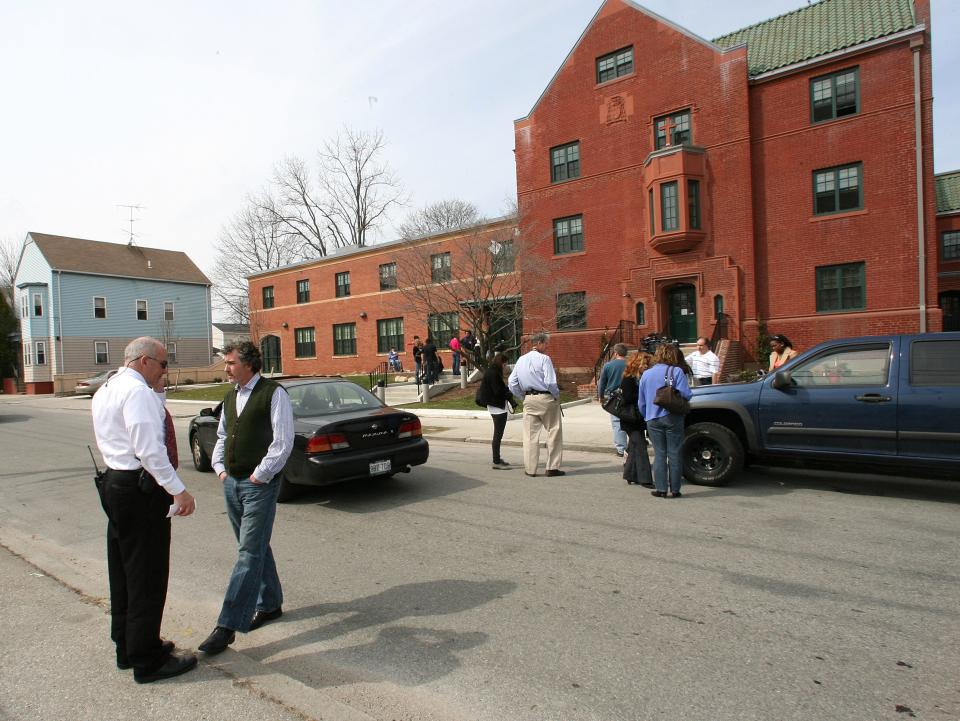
(379, 376)
(719, 330)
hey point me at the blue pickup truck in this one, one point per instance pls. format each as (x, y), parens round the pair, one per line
(878, 404)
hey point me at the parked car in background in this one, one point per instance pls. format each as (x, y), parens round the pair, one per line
(342, 433)
(880, 404)
(91, 385)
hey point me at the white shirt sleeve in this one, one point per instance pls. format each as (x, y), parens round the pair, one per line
(281, 419)
(141, 416)
(217, 459)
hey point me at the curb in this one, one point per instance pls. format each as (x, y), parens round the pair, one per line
(519, 444)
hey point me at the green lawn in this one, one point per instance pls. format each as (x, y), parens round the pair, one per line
(207, 393)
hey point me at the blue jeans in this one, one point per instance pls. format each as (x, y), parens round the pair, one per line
(254, 583)
(456, 363)
(666, 434)
(620, 438)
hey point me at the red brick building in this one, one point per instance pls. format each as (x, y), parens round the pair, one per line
(782, 174)
(778, 179)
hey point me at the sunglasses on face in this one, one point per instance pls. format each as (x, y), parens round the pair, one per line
(163, 363)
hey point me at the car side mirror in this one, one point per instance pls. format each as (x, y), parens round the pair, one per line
(782, 380)
(206, 412)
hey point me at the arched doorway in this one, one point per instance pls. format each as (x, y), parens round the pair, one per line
(950, 304)
(682, 312)
(270, 352)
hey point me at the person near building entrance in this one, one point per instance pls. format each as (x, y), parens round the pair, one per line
(704, 363)
(609, 381)
(782, 351)
(139, 491)
(418, 357)
(665, 428)
(431, 362)
(636, 469)
(254, 440)
(493, 393)
(455, 349)
(534, 381)
(468, 347)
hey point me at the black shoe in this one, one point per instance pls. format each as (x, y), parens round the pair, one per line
(648, 485)
(262, 617)
(555, 472)
(659, 494)
(217, 641)
(676, 495)
(532, 475)
(123, 663)
(173, 666)
(500, 465)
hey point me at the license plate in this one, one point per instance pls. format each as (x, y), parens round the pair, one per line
(378, 467)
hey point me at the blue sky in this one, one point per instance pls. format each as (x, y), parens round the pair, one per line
(185, 107)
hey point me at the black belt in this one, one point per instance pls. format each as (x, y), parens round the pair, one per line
(536, 393)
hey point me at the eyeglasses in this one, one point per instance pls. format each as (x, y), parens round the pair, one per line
(163, 364)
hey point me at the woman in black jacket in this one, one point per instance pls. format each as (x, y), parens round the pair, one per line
(494, 394)
(636, 467)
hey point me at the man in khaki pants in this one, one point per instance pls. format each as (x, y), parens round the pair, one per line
(534, 381)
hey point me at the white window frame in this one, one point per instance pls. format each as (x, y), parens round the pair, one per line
(37, 301)
(41, 352)
(172, 354)
(166, 304)
(106, 345)
(104, 299)
(146, 309)
(27, 355)
(25, 304)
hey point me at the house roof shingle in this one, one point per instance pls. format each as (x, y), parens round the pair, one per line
(948, 192)
(818, 29)
(130, 261)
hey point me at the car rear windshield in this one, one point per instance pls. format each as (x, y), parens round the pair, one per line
(323, 399)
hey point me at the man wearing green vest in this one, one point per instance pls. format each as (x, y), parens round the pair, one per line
(254, 440)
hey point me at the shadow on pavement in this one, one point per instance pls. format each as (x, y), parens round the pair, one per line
(404, 654)
(14, 418)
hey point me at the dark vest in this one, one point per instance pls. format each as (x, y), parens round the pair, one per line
(249, 436)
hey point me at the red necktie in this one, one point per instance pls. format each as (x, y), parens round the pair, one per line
(170, 439)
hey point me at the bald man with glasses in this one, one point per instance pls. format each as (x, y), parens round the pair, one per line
(139, 492)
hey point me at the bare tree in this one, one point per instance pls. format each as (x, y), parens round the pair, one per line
(344, 202)
(10, 251)
(253, 241)
(439, 217)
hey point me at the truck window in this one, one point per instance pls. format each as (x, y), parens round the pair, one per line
(935, 363)
(861, 366)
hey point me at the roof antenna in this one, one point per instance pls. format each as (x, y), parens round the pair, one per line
(132, 219)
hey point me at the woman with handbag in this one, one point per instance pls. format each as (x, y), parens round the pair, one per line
(494, 394)
(664, 392)
(636, 467)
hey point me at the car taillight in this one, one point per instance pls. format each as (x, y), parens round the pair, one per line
(410, 429)
(326, 442)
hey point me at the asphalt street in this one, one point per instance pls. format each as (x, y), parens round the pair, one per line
(459, 592)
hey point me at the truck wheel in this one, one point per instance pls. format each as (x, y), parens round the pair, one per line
(201, 461)
(712, 454)
(288, 491)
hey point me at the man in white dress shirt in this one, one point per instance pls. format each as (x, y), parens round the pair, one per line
(136, 492)
(534, 381)
(704, 363)
(254, 440)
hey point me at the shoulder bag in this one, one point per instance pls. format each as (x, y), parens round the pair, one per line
(615, 405)
(669, 398)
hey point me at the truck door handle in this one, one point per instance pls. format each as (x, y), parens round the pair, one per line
(874, 398)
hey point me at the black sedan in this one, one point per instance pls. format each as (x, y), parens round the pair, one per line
(342, 433)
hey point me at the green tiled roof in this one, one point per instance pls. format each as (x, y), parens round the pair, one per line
(948, 192)
(819, 29)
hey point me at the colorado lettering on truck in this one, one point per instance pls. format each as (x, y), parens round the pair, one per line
(887, 403)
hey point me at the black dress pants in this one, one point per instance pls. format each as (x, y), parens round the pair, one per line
(138, 560)
(499, 425)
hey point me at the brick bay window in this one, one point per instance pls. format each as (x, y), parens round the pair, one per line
(568, 235)
(303, 291)
(838, 190)
(345, 339)
(565, 162)
(343, 284)
(669, 207)
(841, 288)
(673, 129)
(835, 96)
(305, 343)
(614, 65)
(571, 310)
(389, 334)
